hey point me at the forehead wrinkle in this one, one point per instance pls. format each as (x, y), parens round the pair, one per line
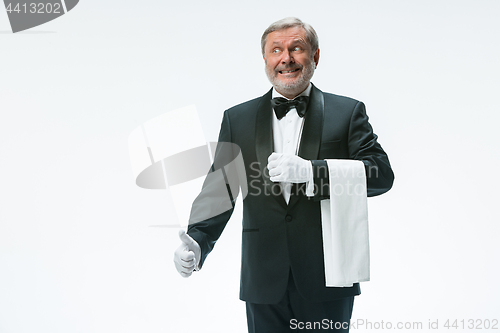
(299, 41)
(295, 41)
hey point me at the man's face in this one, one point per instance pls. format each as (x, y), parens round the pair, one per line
(289, 61)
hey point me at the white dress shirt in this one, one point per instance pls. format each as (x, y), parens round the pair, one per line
(286, 138)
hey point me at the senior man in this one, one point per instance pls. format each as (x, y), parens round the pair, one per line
(284, 137)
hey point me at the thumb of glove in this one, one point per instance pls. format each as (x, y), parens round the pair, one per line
(185, 238)
(191, 245)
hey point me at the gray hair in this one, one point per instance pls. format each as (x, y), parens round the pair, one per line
(292, 22)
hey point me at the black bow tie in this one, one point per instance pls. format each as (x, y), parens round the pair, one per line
(281, 106)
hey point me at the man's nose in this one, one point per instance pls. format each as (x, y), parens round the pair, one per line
(287, 57)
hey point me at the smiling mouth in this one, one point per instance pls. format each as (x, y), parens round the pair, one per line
(290, 71)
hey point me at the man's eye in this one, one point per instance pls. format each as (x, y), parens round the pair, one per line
(296, 48)
(276, 50)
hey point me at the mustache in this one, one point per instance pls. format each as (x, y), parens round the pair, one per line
(288, 67)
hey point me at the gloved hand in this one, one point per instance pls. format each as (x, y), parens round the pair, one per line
(187, 255)
(289, 168)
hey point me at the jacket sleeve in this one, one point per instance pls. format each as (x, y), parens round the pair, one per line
(363, 146)
(213, 207)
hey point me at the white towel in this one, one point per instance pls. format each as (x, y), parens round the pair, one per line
(345, 225)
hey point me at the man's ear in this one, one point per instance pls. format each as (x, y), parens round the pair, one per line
(316, 57)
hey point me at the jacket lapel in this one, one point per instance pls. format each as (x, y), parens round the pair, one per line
(311, 135)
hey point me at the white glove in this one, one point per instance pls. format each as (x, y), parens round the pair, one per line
(187, 255)
(289, 168)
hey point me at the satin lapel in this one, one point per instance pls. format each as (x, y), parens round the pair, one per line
(264, 145)
(311, 135)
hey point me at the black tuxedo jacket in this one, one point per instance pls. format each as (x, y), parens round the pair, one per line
(279, 238)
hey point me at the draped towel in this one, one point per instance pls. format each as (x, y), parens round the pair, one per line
(344, 219)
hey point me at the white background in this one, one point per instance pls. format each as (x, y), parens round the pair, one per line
(77, 253)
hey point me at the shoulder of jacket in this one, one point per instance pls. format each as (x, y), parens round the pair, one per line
(340, 99)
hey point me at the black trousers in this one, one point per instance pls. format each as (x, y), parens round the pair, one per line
(295, 314)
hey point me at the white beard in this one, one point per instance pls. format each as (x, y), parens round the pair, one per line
(296, 87)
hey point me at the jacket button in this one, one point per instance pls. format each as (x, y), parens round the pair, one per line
(288, 218)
